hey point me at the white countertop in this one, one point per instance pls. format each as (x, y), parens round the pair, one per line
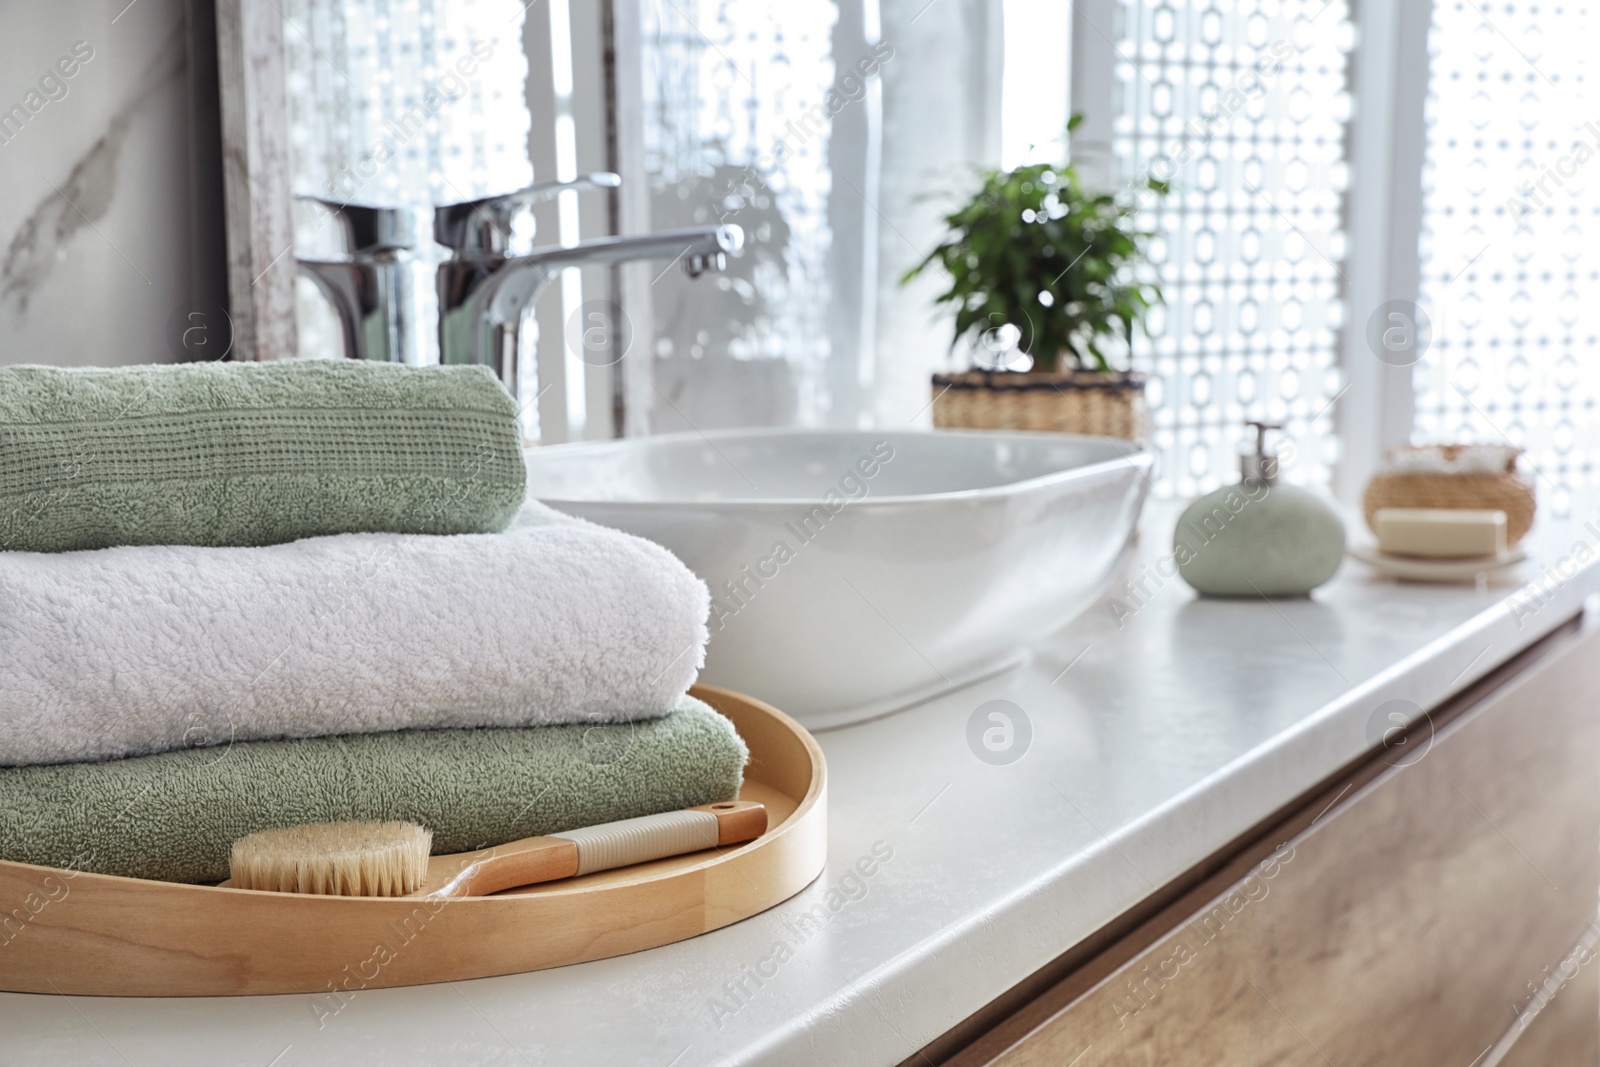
(1154, 744)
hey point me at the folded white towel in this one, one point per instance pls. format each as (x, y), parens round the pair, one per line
(124, 651)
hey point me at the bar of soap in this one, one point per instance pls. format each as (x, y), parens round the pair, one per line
(1440, 533)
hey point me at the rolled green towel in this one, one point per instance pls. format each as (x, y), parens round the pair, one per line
(252, 453)
(175, 816)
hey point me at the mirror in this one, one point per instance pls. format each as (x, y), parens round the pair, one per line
(819, 128)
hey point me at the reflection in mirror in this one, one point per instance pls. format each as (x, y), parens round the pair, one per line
(831, 132)
(415, 104)
(404, 104)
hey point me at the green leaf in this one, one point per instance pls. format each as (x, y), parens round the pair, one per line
(1082, 248)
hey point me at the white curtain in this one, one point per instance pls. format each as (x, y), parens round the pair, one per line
(821, 128)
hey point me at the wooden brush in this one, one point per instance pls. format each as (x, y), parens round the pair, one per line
(390, 859)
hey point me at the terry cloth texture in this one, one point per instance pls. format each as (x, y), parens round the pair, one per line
(252, 453)
(175, 816)
(128, 651)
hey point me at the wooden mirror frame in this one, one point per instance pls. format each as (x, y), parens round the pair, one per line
(259, 220)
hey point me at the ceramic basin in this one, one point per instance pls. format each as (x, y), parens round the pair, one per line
(852, 573)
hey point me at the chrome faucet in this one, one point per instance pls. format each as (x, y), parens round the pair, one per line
(486, 293)
(483, 226)
(370, 287)
(486, 289)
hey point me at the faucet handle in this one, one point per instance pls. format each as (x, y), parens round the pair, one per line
(726, 239)
(365, 229)
(484, 225)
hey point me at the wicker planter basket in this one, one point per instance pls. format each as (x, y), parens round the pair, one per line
(1105, 403)
(1507, 491)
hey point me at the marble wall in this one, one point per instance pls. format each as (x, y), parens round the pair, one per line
(107, 251)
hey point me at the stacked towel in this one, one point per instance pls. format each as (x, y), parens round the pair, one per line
(174, 816)
(181, 665)
(252, 453)
(126, 651)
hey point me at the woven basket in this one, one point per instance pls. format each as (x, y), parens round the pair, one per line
(1506, 491)
(1104, 403)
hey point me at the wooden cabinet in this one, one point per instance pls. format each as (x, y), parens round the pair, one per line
(1408, 921)
(1565, 1031)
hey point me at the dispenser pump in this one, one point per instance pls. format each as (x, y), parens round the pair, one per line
(1259, 538)
(1260, 466)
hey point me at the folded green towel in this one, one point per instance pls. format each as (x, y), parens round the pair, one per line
(175, 816)
(252, 453)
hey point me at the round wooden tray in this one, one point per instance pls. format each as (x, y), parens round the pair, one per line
(112, 936)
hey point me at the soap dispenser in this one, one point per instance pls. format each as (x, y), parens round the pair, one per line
(1260, 537)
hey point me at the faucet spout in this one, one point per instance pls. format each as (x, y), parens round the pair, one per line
(667, 244)
(522, 278)
(483, 299)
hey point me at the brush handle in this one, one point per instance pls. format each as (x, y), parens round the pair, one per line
(594, 848)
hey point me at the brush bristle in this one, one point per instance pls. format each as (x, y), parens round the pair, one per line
(347, 859)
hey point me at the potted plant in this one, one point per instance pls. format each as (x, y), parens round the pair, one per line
(1049, 282)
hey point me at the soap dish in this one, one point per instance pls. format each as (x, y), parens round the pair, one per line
(1415, 569)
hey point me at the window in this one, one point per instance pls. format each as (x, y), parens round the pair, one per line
(1510, 263)
(1242, 108)
(734, 132)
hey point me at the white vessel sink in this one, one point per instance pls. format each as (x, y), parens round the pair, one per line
(856, 572)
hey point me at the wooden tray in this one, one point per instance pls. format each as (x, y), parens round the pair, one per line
(99, 934)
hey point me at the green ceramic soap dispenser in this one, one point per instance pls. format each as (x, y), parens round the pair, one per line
(1260, 537)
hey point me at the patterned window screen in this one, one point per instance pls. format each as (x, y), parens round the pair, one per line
(1510, 261)
(1242, 106)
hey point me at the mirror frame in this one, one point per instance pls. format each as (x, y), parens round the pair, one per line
(259, 224)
